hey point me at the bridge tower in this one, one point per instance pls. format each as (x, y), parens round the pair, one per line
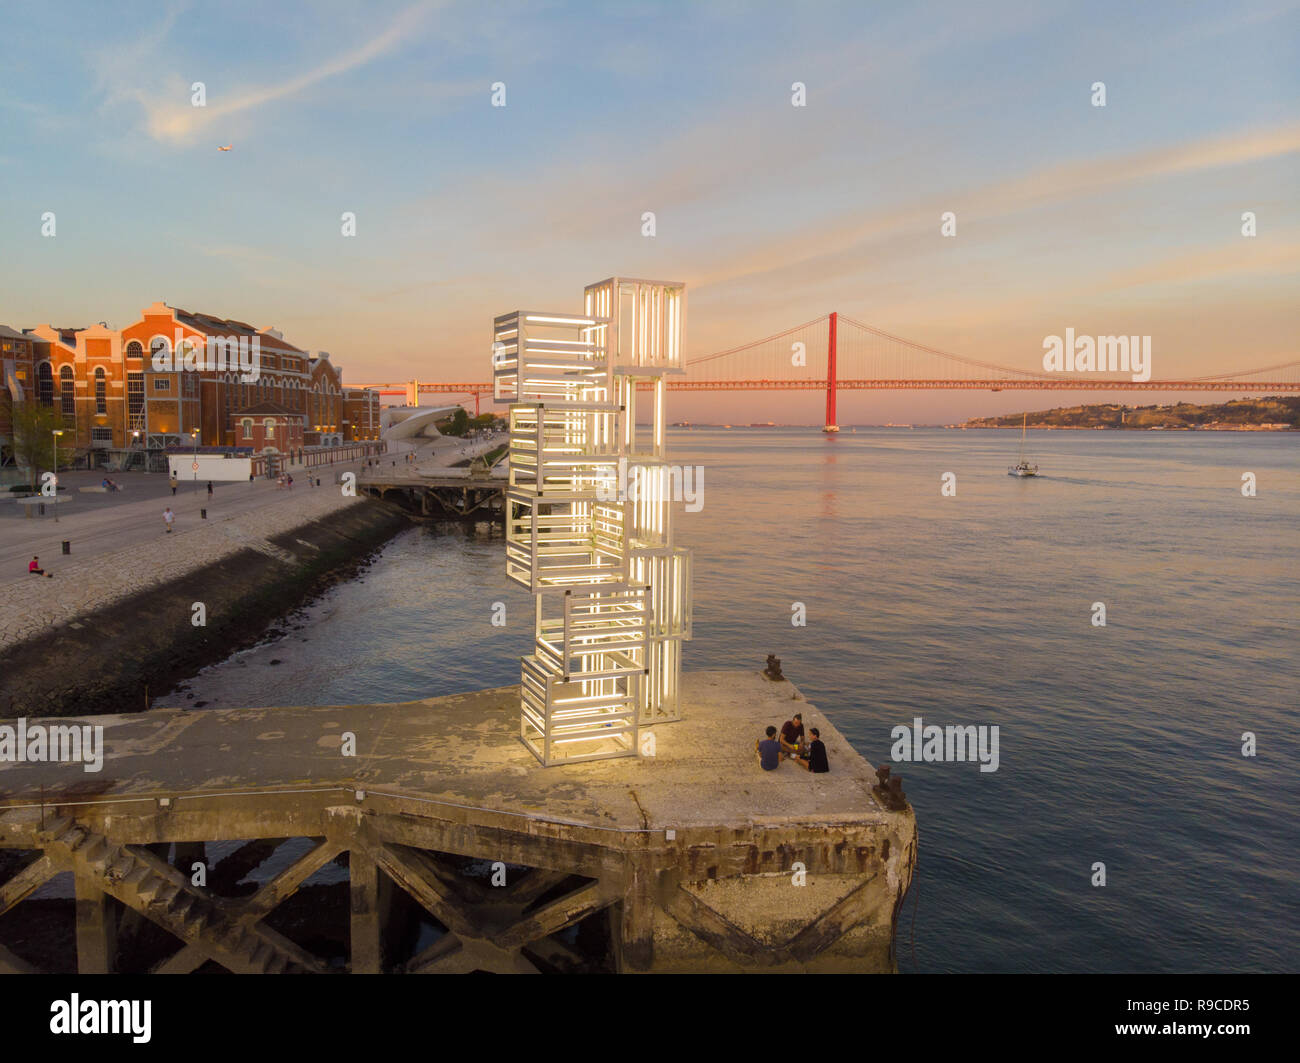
(589, 519)
(413, 393)
(831, 424)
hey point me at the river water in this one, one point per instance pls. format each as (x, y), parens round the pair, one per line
(1119, 745)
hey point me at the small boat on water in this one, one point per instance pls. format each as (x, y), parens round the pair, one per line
(1022, 467)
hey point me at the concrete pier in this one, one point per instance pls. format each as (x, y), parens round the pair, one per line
(694, 859)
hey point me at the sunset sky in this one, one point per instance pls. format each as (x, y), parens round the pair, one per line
(1117, 219)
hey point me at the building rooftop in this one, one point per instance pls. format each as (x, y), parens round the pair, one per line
(210, 324)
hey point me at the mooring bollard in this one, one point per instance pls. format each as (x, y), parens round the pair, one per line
(67, 546)
(203, 513)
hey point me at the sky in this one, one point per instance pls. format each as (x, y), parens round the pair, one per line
(1122, 219)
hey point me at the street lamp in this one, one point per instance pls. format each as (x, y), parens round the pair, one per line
(56, 432)
(194, 432)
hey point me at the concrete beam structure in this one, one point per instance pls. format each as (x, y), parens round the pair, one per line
(688, 859)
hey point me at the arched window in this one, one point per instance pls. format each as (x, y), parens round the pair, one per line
(248, 427)
(67, 394)
(135, 349)
(45, 384)
(101, 391)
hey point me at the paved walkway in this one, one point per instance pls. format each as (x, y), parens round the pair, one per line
(120, 546)
(119, 543)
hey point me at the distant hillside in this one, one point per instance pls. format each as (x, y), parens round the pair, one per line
(1241, 414)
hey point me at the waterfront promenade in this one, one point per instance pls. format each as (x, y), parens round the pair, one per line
(120, 546)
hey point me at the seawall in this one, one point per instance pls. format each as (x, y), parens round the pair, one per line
(128, 632)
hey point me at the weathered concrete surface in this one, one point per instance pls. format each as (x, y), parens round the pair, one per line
(124, 625)
(449, 775)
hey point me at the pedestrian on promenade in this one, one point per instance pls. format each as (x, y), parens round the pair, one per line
(209, 488)
(34, 568)
(172, 482)
(168, 517)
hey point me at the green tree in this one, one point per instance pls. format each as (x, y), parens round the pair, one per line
(34, 428)
(458, 425)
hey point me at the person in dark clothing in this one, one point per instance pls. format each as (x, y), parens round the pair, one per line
(209, 488)
(769, 751)
(815, 761)
(792, 734)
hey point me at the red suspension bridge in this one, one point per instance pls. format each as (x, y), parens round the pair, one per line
(835, 353)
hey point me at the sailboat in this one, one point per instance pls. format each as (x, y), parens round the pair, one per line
(1022, 467)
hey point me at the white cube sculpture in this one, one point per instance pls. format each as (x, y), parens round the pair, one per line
(589, 517)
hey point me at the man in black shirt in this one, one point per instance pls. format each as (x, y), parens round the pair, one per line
(816, 759)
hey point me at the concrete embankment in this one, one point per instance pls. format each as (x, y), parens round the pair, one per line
(129, 631)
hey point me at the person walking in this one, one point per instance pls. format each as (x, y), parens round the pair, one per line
(168, 517)
(172, 482)
(209, 488)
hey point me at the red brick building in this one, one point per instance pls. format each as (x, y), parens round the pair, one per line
(324, 407)
(360, 414)
(268, 427)
(174, 371)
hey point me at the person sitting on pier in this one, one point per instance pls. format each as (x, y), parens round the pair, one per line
(34, 568)
(769, 751)
(815, 761)
(792, 734)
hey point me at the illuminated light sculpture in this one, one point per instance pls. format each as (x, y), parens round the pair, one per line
(589, 517)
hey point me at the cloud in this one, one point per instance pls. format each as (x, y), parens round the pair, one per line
(1239, 258)
(168, 121)
(1055, 185)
